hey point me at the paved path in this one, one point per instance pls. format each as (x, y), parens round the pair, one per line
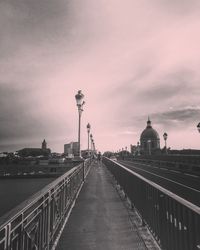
(99, 220)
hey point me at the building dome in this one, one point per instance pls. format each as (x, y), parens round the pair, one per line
(149, 133)
(149, 139)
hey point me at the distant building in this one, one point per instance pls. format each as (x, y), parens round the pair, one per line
(184, 151)
(149, 140)
(3, 154)
(44, 151)
(44, 145)
(135, 149)
(25, 152)
(85, 153)
(71, 149)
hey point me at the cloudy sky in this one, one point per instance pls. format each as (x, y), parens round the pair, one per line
(130, 58)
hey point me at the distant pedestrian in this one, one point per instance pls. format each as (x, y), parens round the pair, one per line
(99, 158)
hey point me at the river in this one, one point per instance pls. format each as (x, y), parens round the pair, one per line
(15, 191)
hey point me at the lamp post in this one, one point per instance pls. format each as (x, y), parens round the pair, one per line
(79, 102)
(165, 135)
(198, 127)
(138, 148)
(91, 143)
(93, 146)
(88, 130)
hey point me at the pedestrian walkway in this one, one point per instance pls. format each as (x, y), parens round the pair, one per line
(99, 219)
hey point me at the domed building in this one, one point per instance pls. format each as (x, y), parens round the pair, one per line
(149, 140)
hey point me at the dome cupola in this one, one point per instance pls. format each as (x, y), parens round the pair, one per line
(149, 139)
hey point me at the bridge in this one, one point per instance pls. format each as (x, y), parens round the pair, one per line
(132, 203)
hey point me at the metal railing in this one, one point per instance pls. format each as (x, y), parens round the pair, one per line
(173, 221)
(183, 167)
(35, 224)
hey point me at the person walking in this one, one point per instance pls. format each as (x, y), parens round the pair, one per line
(99, 159)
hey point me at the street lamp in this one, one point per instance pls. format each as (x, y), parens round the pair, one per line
(91, 143)
(138, 148)
(165, 135)
(93, 149)
(79, 101)
(88, 130)
(198, 127)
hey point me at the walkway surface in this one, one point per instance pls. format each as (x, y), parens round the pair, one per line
(99, 219)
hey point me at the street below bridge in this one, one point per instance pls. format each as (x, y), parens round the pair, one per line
(184, 185)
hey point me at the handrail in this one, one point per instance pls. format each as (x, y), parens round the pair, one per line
(12, 214)
(173, 221)
(181, 200)
(35, 223)
(185, 167)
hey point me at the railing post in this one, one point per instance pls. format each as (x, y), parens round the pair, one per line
(132, 207)
(8, 234)
(143, 222)
(48, 224)
(83, 171)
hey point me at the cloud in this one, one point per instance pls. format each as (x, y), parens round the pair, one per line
(178, 7)
(181, 118)
(170, 86)
(173, 120)
(22, 119)
(130, 59)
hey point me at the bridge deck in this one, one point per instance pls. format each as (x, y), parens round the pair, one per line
(99, 219)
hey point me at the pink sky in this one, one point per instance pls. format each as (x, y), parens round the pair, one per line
(130, 58)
